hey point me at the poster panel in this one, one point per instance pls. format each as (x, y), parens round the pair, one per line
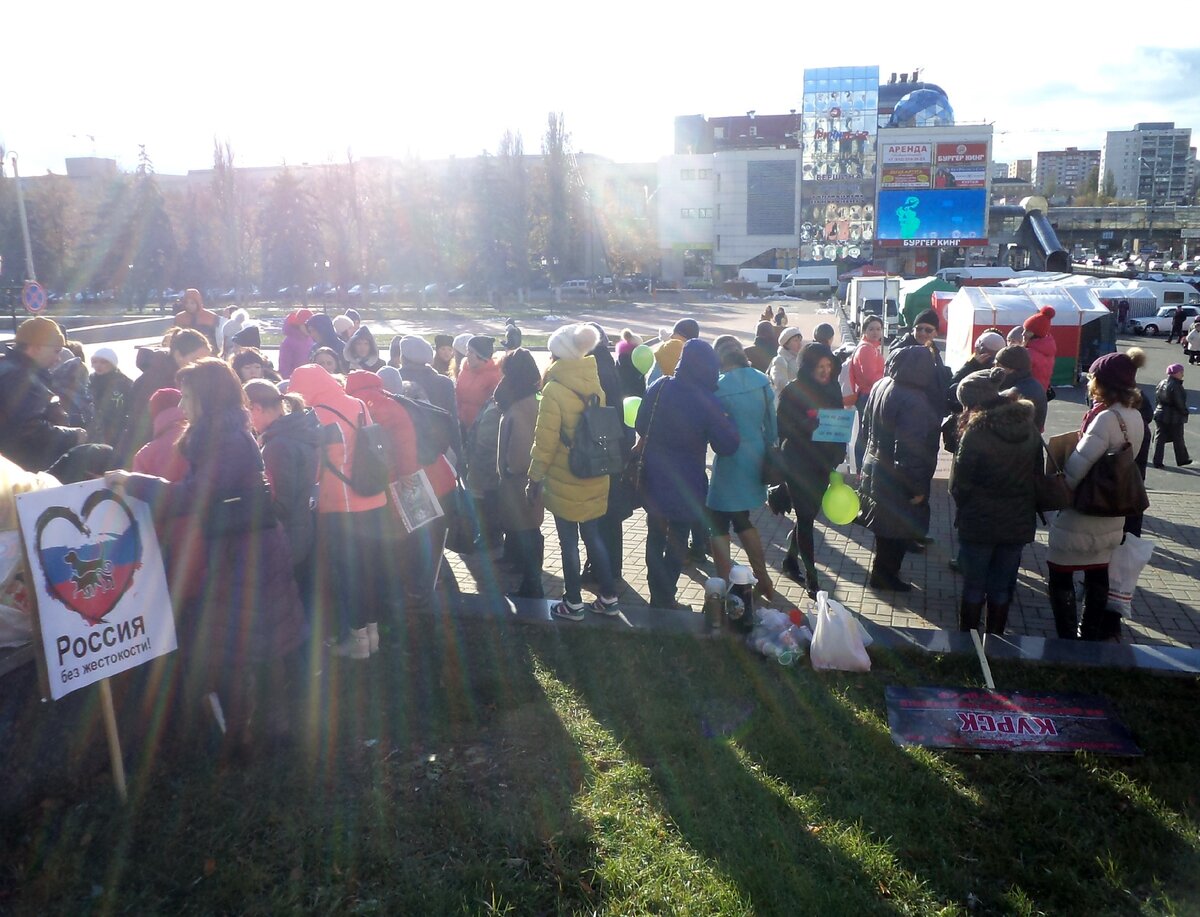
(897, 154)
(97, 574)
(976, 719)
(906, 177)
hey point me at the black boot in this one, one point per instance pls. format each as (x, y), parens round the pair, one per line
(969, 614)
(1066, 615)
(1097, 623)
(997, 617)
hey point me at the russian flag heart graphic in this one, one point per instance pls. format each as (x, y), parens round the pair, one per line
(89, 559)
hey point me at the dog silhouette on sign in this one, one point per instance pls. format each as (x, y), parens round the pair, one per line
(90, 576)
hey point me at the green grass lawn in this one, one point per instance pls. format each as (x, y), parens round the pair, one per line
(480, 767)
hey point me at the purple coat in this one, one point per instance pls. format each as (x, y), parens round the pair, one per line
(687, 418)
(249, 609)
(294, 349)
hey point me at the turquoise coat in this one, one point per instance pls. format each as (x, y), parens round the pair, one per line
(747, 397)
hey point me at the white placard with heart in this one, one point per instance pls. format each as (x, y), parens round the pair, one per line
(97, 573)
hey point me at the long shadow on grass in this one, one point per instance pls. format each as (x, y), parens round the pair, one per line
(433, 778)
(790, 782)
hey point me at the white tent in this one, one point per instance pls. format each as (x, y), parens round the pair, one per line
(975, 309)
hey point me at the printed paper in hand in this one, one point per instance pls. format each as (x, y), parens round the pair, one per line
(415, 500)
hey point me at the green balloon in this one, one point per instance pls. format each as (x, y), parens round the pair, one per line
(632, 403)
(643, 359)
(840, 503)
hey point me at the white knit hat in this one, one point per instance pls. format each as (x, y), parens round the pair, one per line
(573, 342)
(461, 343)
(105, 353)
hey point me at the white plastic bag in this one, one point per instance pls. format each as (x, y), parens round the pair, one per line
(837, 643)
(1126, 565)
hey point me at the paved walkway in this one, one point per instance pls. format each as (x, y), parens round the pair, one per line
(1166, 607)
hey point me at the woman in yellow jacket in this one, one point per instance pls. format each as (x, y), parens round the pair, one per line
(576, 503)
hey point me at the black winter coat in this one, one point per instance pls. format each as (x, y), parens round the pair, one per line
(31, 431)
(158, 371)
(902, 443)
(1170, 403)
(992, 478)
(807, 464)
(110, 394)
(291, 449)
(939, 382)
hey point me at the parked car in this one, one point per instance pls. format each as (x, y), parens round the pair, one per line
(575, 288)
(1161, 320)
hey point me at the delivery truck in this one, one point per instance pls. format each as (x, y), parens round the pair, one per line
(874, 296)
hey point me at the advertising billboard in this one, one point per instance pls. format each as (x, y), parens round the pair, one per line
(838, 123)
(906, 165)
(934, 219)
(960, 165)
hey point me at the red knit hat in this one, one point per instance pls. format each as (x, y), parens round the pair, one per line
(163, 399)
(1038, 324)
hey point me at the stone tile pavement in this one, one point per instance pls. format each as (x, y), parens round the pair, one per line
(1166, 607)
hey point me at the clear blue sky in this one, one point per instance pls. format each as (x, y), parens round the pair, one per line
(438, 79)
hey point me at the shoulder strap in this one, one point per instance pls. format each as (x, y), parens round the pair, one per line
(1050, 455)
(587, 403)
(1124, 430)
(325, 454)
(766, 413)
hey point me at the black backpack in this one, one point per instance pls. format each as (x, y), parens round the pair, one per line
(371, 470)
(431, 425)
(597, 449)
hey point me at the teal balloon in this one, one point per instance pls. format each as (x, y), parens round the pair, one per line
(643, 358)
(632, 404)
(840, 503)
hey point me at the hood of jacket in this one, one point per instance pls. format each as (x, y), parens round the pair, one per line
(167, 418)
(359, 381)
(326, 336)
(912, 366)
(580, 376)
(362, 334)
(315, 385)
(1011, 422)
(299, 426)
(698, 364)
(741, 380)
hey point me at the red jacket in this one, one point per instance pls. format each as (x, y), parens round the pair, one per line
(368, 387)
(473, 388)
(161, 456)
(1041, 354)
(322, 392)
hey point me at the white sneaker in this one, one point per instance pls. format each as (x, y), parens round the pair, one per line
(356, 646)
(373, 636)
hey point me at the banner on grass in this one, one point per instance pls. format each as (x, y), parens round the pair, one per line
(983, 720)
(97, 574)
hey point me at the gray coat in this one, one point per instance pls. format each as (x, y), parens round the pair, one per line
(992, 478)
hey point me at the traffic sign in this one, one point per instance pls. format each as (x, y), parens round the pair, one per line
(33, 296)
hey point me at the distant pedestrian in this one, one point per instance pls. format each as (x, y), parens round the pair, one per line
(765, 346)
(1122, 314)
(1192, 344)
(1170, 415)
(1177, 322)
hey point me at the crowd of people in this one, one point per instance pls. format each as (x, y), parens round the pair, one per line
(277, 534)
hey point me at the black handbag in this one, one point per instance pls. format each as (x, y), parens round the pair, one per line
(1113, 486)
(773, 466)
(635, 470)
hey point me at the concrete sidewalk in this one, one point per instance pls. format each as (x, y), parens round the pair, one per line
(1166, 606)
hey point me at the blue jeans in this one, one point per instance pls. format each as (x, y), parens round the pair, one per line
(989, 570)
(666, 549)
(568, 540)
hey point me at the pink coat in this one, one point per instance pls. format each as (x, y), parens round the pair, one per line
(160, 456)
(1041, 354)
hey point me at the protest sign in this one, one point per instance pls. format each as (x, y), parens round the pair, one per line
(976, 719)
(834, 425)
(98, 581)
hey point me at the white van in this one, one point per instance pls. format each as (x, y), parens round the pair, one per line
(817, 282)
(1172, 292)
(975, 276)
(766, 279)
(575, 288)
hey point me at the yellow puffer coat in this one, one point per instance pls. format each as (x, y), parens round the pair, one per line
(568, 382)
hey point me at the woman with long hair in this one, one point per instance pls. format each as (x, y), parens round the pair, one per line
(1079, 541)
(248, 615)
(516, 397)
